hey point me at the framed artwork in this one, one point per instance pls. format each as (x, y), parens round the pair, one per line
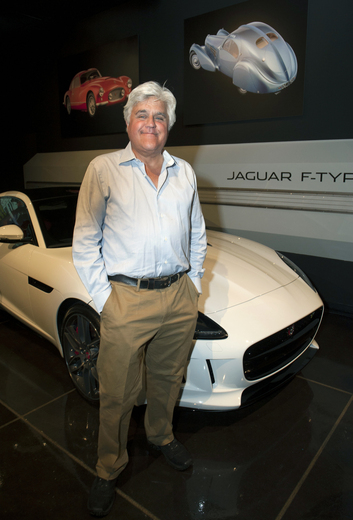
(94, 87)
(245, 62)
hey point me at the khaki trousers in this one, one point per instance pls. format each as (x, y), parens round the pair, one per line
(141, 330)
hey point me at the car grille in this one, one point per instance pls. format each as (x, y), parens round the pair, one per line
(272, 353)
(115, 94)
(212, 49)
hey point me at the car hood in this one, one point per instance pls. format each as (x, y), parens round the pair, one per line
(106, 82)
(215, 40)
(238, 270)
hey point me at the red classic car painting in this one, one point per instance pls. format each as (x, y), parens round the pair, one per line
(89, 90)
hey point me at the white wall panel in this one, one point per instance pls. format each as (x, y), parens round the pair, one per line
(293, 196)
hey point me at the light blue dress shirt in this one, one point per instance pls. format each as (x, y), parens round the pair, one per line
(125, 225)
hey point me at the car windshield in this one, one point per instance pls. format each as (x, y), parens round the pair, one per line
(14, 211)
(90, 74)
(56, 217)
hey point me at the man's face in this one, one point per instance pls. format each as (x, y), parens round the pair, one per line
(148, 127)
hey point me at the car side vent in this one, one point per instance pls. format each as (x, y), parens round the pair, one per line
(210, 370)
(40, 285)
(276, 351)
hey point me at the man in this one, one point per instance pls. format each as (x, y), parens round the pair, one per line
(139, 246)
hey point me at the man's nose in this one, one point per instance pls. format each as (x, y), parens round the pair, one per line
(151, 121)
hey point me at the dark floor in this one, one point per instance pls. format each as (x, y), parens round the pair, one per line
(289, 456)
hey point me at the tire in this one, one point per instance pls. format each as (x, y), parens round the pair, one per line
(194, 60)
(80, 337)
(91, 104)
(68, 105)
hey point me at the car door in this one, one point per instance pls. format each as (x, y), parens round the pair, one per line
(76, 93)
(15, 258)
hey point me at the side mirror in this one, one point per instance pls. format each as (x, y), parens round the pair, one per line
(11, 234)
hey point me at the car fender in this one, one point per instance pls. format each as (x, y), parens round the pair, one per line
(94, 90)
(222, 32)
(247, 79)
(205, 61)
(124, 80)
(53, 279)
(55, 268)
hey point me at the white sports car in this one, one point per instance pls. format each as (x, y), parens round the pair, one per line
(258, 315)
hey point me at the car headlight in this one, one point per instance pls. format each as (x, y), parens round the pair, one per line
(101, 91)
(297, 270)
(208, 329)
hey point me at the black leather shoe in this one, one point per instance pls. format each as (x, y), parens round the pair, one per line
(176, 455)
(102, 496)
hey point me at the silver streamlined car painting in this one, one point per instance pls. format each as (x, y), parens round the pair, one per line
(258, 313)
(255, 56)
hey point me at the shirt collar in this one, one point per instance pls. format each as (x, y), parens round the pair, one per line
(128, 155)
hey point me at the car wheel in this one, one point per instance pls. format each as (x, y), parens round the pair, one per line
(91, 104)
(194, 60)
(68, 105)
(80, 336)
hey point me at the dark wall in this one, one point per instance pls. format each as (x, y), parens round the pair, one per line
(333, 280)
(33, 101)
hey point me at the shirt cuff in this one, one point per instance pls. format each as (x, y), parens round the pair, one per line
(196, 280)
(101, 298)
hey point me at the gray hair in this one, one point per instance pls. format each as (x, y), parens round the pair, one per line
(151, 89)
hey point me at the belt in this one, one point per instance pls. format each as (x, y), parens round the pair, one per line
(147, 283)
